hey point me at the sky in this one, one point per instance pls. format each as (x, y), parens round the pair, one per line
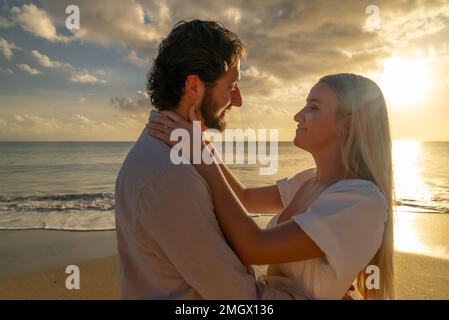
(89, 84)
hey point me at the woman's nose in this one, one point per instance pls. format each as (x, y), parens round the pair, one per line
(299, 116)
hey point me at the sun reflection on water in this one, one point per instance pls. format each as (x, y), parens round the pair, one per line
(407, 171)
(409, 187)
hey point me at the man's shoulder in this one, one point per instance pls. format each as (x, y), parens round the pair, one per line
(148, 155)
(148, 162)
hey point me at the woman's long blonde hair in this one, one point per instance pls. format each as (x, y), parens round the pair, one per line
(366, 153)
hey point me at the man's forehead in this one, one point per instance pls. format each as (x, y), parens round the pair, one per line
(233, 73)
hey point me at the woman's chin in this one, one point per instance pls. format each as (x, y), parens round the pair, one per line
(300, 143)
(297, 141)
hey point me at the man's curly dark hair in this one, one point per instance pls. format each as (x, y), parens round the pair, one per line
(203, 48)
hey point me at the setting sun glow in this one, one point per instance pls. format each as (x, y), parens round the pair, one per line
(405, 82)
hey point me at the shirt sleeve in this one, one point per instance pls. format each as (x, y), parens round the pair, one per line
(177, 210)
(288, 186)
(347, 223)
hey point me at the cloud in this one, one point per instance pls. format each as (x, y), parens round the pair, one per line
(78, 121)
(45, 61)
(138, 104)
(6, 48)
(135, 24)
(111, 22)
(255, 82)
(290, 40)
(28, 69)
(233, 14)
(291, 44)
(31, 123)
(136, 60)
(37, 22)
(419, 22)
(35, 127)
(82, 119)
(77, 75)
(285, 38)
(85, 77)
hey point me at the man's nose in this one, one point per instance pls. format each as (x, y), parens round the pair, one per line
(236, 98)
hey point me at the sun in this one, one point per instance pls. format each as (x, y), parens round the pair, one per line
(405, 82)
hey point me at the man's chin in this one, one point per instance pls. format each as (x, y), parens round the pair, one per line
(219, 125)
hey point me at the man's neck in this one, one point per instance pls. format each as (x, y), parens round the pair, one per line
(183, 112)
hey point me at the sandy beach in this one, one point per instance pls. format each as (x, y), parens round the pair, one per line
(33, 262)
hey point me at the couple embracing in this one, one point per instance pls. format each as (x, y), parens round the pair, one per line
(184, 231)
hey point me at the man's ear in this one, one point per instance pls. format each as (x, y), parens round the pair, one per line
(194, 88)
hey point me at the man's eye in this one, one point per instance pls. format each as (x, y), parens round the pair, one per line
(313, 108)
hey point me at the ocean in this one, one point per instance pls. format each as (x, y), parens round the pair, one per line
(70, 185)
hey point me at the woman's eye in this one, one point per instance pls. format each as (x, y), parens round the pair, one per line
(313, 108)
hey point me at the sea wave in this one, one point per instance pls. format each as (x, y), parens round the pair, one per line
(423, 207)
(59, 203)
(60, 197)
(95, 211)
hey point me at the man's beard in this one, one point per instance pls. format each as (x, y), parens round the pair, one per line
(208, 109)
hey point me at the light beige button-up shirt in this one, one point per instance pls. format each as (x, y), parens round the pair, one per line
(169, 241)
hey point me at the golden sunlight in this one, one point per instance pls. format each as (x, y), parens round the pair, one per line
(405, 82)
(407, 176)
(408, 185)
(408, 182)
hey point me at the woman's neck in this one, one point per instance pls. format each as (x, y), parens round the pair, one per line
(329, 166)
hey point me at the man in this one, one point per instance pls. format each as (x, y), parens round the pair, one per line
(169, 241)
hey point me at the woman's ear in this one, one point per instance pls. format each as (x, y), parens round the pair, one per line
(194, 88)
(348, 123)
(347, 126)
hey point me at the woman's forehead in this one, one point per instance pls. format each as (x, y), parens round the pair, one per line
(323, 93)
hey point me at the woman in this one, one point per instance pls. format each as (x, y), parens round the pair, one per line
(335, 219)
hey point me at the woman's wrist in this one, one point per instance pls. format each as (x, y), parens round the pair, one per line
(208, 161)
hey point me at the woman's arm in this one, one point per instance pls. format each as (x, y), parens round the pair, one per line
(286, 242)
(257, 200)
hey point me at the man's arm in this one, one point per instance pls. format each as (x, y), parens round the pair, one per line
(176, 209)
